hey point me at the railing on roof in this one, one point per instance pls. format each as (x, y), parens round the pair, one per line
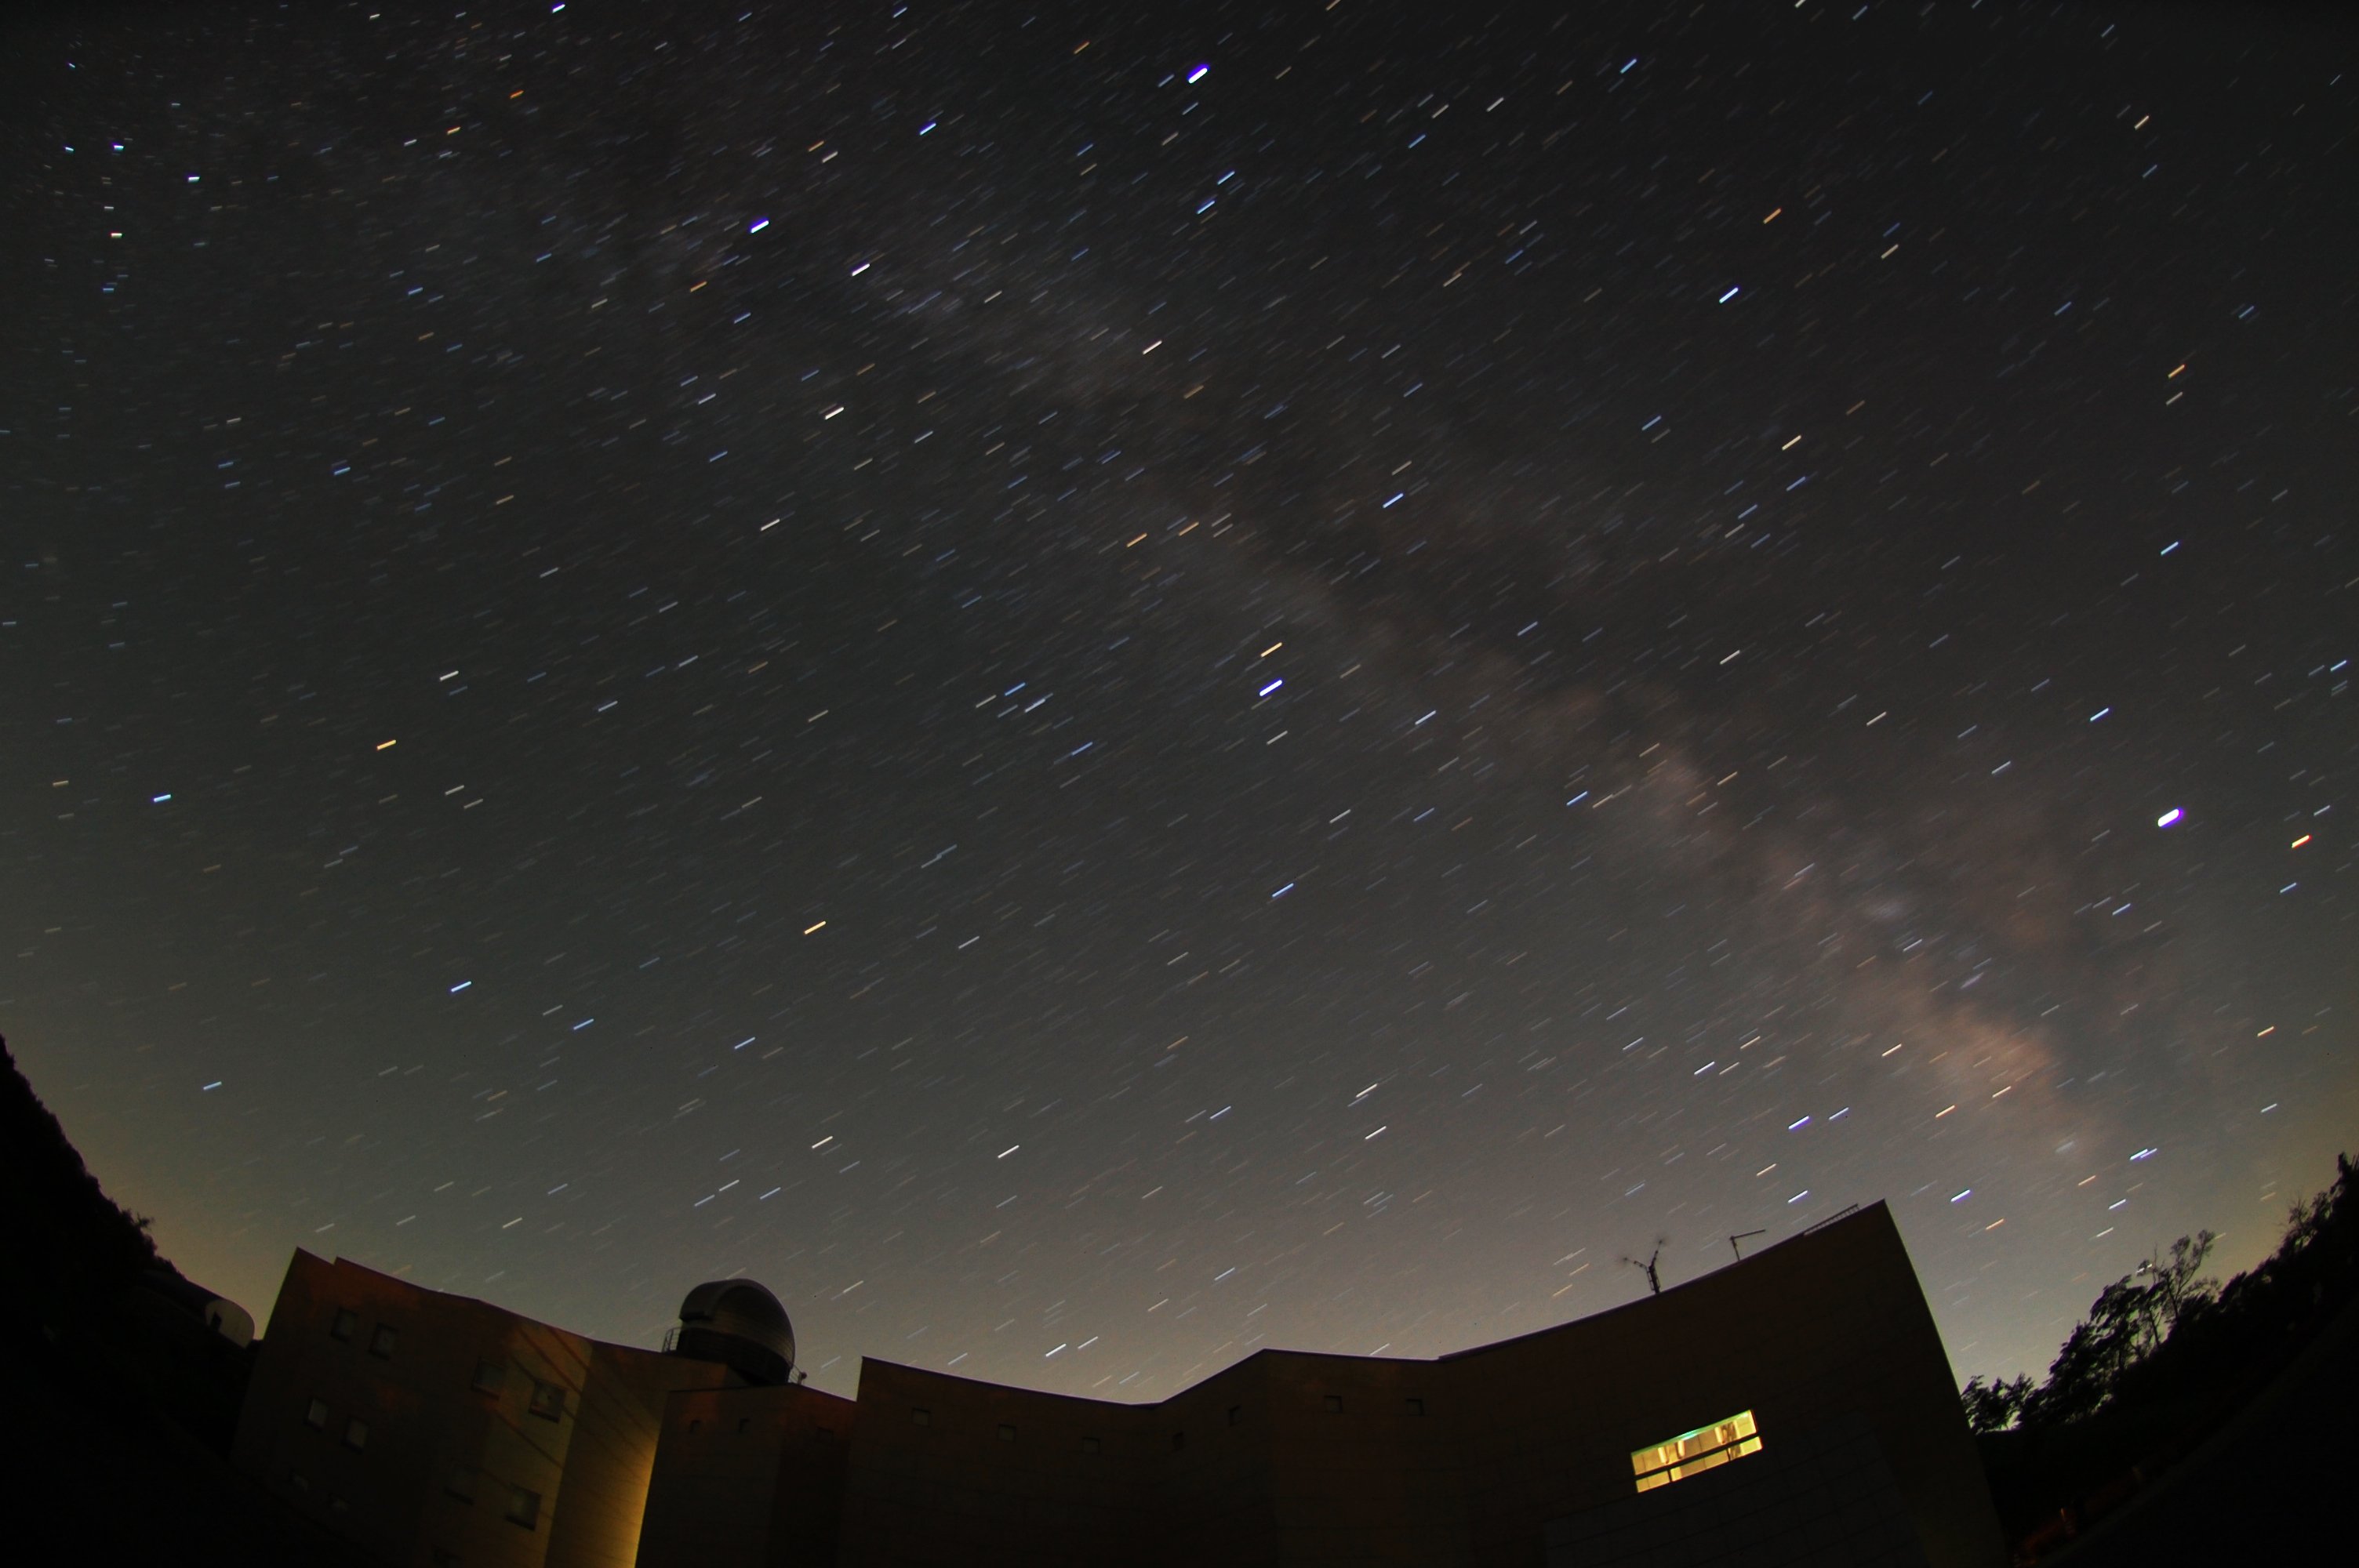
(1843, 1213)
(671, 1339)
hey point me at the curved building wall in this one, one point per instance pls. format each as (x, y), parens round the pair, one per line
(1512, 1454)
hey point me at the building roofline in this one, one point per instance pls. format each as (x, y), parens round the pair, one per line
(1844, 1220)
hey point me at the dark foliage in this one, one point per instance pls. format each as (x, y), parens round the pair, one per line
(132, 1400)
(71, 1246)
(2160, 1361)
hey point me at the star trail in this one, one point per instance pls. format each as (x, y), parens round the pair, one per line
(1097, 688)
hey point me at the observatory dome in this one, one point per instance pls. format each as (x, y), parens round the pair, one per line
(740, 1325)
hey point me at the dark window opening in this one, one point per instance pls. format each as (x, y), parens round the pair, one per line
(921, 1418)
(445, 1558)
(460, 1482)
(347, 1323)
(315, 1415)
(1334, 1403)
(381, 1342)
(356, 1434)
(826, 1435)
(1006, 1432)
(489, 1376)
(524, 1508)
(1091, 1445)
(1178, 1441)
(745, 1424)
(1236, 1415)
(547, 1401)
(1416, 1407)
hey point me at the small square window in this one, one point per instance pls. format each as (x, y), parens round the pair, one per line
(524, 1508)
(1415, 1406)
(1006, 1432)
(1178, 1441)
(696, 1426)
(460, 1482)
(490, 1377)
(1334, 1403)
(1091, 1445)
(381, 1342)
(921, 1418)
(299, 1481)
(356, 1434)
(315, 1415)
(347, 1322)
(549, 1401)
(1236, 1415)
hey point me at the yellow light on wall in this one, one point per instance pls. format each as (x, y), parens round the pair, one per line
(1692, 1453)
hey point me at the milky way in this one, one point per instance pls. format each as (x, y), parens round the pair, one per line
(1095, 693)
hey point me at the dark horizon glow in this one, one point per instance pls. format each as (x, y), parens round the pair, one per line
(1100, 692)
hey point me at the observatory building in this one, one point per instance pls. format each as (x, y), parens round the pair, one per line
(1794, 1407)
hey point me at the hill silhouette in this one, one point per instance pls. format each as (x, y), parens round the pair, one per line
(124, 1403)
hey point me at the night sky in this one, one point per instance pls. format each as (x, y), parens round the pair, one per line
(1097, 692)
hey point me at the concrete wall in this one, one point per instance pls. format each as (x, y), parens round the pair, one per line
(468, 1405)
(934, 1478)
(1515, 1453)
(1497, 1456)
(748, 1477)
(1824, 1327)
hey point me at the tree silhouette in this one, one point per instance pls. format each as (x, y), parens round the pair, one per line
(73, 1246)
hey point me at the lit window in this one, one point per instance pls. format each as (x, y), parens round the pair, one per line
(549, 1401)
(1690, 1452)
(381, 1342)
(315, 1415)
(524, 1508)
(347, 1322)
(356, 1434)
(489, 1376)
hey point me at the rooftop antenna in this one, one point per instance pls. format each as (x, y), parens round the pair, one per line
(1743, 1236)
(1654, 1280)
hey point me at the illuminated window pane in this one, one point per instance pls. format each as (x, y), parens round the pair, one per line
(1692, 1453)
